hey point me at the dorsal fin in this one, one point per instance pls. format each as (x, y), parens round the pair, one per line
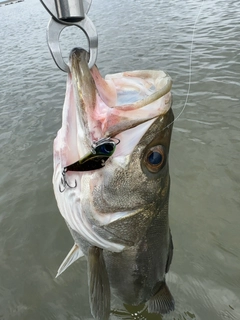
(74, 254)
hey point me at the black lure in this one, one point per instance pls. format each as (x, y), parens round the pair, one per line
(100, 153)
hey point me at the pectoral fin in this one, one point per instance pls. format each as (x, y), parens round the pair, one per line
(74, 254)
(162, 302)
(99, 287)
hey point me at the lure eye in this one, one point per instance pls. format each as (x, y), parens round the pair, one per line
(155, 158)
(105, 149)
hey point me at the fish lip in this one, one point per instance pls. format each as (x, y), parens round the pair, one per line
(79, 53)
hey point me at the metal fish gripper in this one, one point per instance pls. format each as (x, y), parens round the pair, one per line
(65, 13)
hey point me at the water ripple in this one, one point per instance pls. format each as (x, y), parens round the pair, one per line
(205, 153)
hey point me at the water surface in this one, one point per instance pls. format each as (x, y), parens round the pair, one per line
(204, 159)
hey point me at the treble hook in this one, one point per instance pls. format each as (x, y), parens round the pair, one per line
(64, 181)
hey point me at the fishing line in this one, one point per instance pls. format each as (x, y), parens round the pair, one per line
(190, 67)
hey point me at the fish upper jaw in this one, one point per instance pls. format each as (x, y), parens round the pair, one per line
(133, 103)
(107, 107)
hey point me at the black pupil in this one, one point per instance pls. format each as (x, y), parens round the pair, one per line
(155, 158)
(106, 148)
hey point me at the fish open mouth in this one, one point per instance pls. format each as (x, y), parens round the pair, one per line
(121, 101)
(121, 106)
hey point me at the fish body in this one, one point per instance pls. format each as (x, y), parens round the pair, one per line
(118, 213)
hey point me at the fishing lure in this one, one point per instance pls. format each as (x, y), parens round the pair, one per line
(101, 151)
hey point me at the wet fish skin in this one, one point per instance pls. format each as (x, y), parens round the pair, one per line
(117, 215)
(142, 265)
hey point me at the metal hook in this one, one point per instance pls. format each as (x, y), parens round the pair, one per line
(64, 182)
(54, 30)
(69, 13)
(67, 10)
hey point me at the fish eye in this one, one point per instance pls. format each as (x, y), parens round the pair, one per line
(155, 158)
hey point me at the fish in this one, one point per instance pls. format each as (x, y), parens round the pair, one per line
(111, 182)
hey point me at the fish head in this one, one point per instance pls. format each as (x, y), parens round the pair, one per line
(137, 175)
(134, 108)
